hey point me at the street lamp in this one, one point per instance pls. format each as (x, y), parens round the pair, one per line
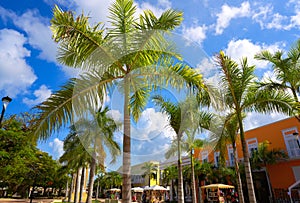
(5, 100)
(297, 138)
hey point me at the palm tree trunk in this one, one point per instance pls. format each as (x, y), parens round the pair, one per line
(77, 187)
(81, 184)
(180, 197)
(97, 191)
(248, 173)
(71, 188)
(194, 196)
(91, 179)
(67, 189)
(237, 171)
(126, 186)
(171, 191)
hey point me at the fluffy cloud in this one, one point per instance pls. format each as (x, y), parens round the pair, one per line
(237, 49)
(38, 33)
(15, 74)
(57, 148)
(228, 13)
(255, 120)
(150, 125)
(268, 19)
(41, 95)
(195, 34)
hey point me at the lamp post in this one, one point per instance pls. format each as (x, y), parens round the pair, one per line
(5, 100)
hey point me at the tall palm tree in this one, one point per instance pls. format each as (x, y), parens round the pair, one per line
(133, 53)
(151, 170)
(192, 143)
(100, 134)
(225, 131)
(242, 94)
(286, 69)
(75, 157)
(183, 117)
(263, 157)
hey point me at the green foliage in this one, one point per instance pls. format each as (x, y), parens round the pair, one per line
(21, 164)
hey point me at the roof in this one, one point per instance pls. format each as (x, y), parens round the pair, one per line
(186, 160)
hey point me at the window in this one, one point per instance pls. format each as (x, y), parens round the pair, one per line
(291, 142)
(230, 155)
(217, 158)
(252, 146)
(204, 156)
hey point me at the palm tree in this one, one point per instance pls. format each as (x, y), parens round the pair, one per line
(101, 134)
(183, 117)
(151, 170)
(243, 94)
(263, 157)
(286, 69)
(223, 132)
(132, 53)
(169, 175)
(75, 157)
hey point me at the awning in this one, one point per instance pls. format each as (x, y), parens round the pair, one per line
(219, 185)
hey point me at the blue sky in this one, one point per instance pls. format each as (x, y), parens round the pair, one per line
(29, 72)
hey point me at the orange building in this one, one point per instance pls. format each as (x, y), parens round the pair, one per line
(284, 175)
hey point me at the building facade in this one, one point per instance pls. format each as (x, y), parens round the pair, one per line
(284, 176)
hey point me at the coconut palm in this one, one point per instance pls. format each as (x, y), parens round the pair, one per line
(151, 170)
(183, 117)
(263, 157)
(243, 94)
(132, 53)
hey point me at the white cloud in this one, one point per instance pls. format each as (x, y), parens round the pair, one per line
(295, 20)
(57, 148)
(255, 120)
(41, 95)
(15, 74)
(196, 34)
(152, 124)
(39, 33)
(228, 13)
(237, 49)
(268, 19)
(115, 114)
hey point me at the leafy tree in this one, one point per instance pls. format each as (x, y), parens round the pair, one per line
(125, 53)
(242, 95)
(22, 165)
(263, 157)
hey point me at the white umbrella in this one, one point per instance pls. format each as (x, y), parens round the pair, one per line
(137, 189)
